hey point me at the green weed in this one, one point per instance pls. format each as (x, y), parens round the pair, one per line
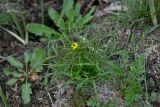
(26, 72)
(84, 59)
(68, 21)
(142, 9)
(3, 97)
(18, 23)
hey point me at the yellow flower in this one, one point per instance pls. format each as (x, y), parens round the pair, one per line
(74, 45)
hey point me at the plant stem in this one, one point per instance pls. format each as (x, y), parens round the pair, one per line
(42, 11)
(4, 99)
(49, 96)
(153, 12)
(146, 89)
(15, 35)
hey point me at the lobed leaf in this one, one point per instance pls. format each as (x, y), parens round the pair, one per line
(14, 62)
(7, 72)
(11, 81)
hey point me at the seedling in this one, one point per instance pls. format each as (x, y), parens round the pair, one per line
(67, 21)
(26, 72)
(130, 80)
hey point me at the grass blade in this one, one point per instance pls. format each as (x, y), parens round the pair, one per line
(4, 99)
(153, 12)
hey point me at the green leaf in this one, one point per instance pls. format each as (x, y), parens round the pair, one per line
(77, 9)
(38, 69)
(11, 81)
(26, 57)
(67, 7)
(78, 21)
(5, 18)
(26, 92)
(39, 29)
(14, 62)
(88, 17)
(153, 11)
(138, 66)
(38, 58)
(93, 102)
(4, 98)
(71, 17)
(116, 69)
(17, 75)
(56, 18)
(6, 72)
(86, 20)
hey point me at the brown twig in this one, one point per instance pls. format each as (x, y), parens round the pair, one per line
(48, 3)
(88, 6)
(101, 5)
